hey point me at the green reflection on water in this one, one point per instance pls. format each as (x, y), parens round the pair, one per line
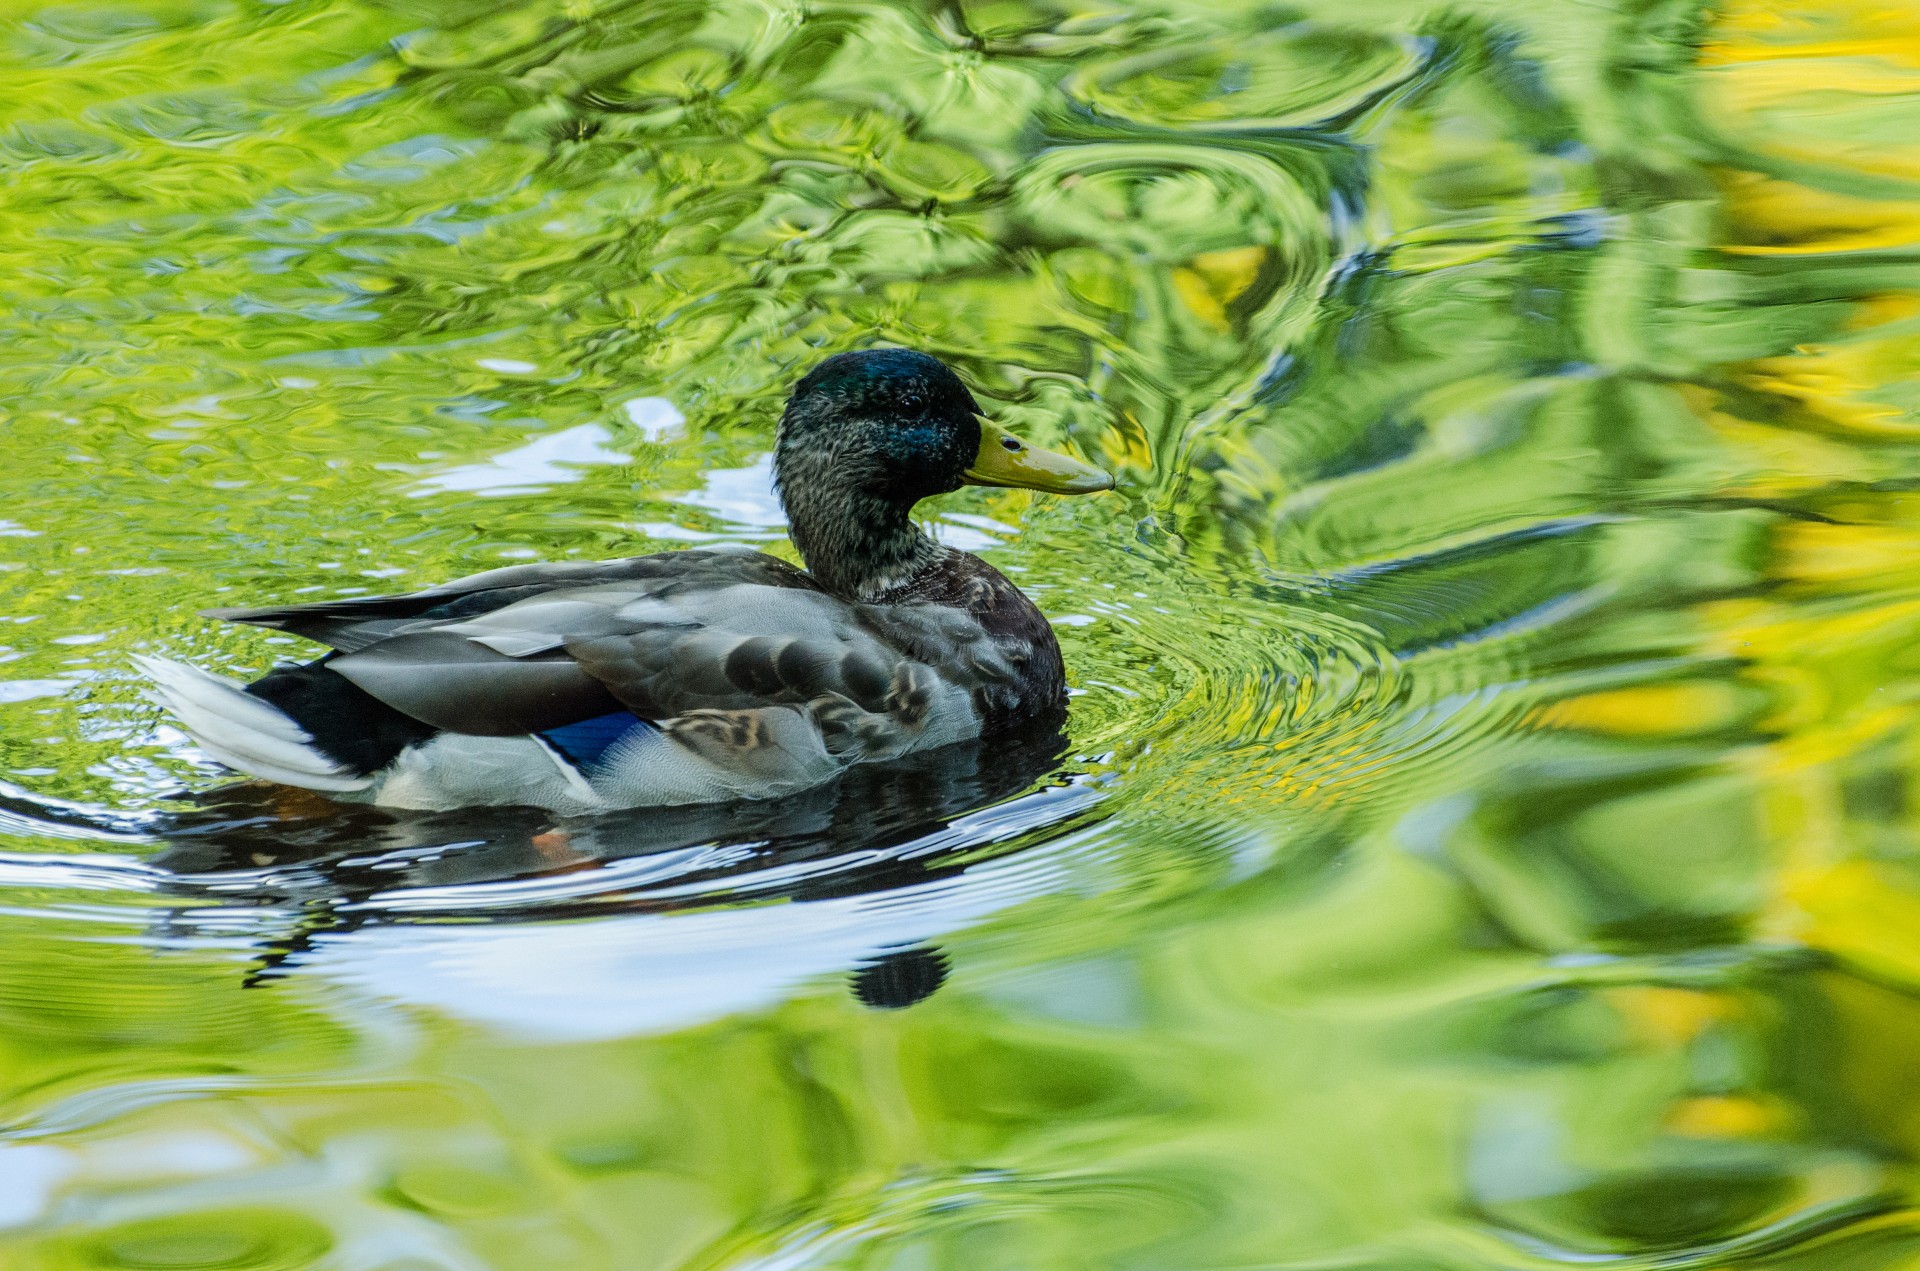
(1484, 837)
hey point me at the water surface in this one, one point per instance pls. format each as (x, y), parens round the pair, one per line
(1485, 834)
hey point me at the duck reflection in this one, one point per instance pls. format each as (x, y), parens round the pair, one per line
(336, 868)
(254, 826)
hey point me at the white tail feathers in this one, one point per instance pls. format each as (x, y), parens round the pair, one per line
(242, 731)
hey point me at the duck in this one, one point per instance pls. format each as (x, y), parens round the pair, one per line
(696, 676)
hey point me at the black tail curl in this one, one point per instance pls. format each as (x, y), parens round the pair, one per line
(348, 725)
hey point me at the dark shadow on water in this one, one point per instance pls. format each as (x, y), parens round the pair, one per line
(255, 826)
(340, 867)
(900, 977)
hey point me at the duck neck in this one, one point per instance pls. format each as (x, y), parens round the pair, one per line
(858, 546)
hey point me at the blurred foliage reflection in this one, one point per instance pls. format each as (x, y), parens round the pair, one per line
(1485, 834)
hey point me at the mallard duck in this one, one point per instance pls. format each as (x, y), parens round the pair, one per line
(695, 676)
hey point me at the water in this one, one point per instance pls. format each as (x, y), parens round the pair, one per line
(1484, 837)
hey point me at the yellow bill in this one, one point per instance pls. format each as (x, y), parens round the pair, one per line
(1005, 460)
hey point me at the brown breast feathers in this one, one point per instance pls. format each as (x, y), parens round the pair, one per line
(1037, 694)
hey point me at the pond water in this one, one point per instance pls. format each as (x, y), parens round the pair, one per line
(1486, 833)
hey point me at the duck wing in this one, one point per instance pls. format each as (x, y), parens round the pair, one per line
(361, 621)
(751, 646)
(668, 638)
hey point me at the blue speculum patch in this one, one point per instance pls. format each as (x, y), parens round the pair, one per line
(583, 744)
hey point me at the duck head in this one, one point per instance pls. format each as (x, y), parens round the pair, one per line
(867, 435)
